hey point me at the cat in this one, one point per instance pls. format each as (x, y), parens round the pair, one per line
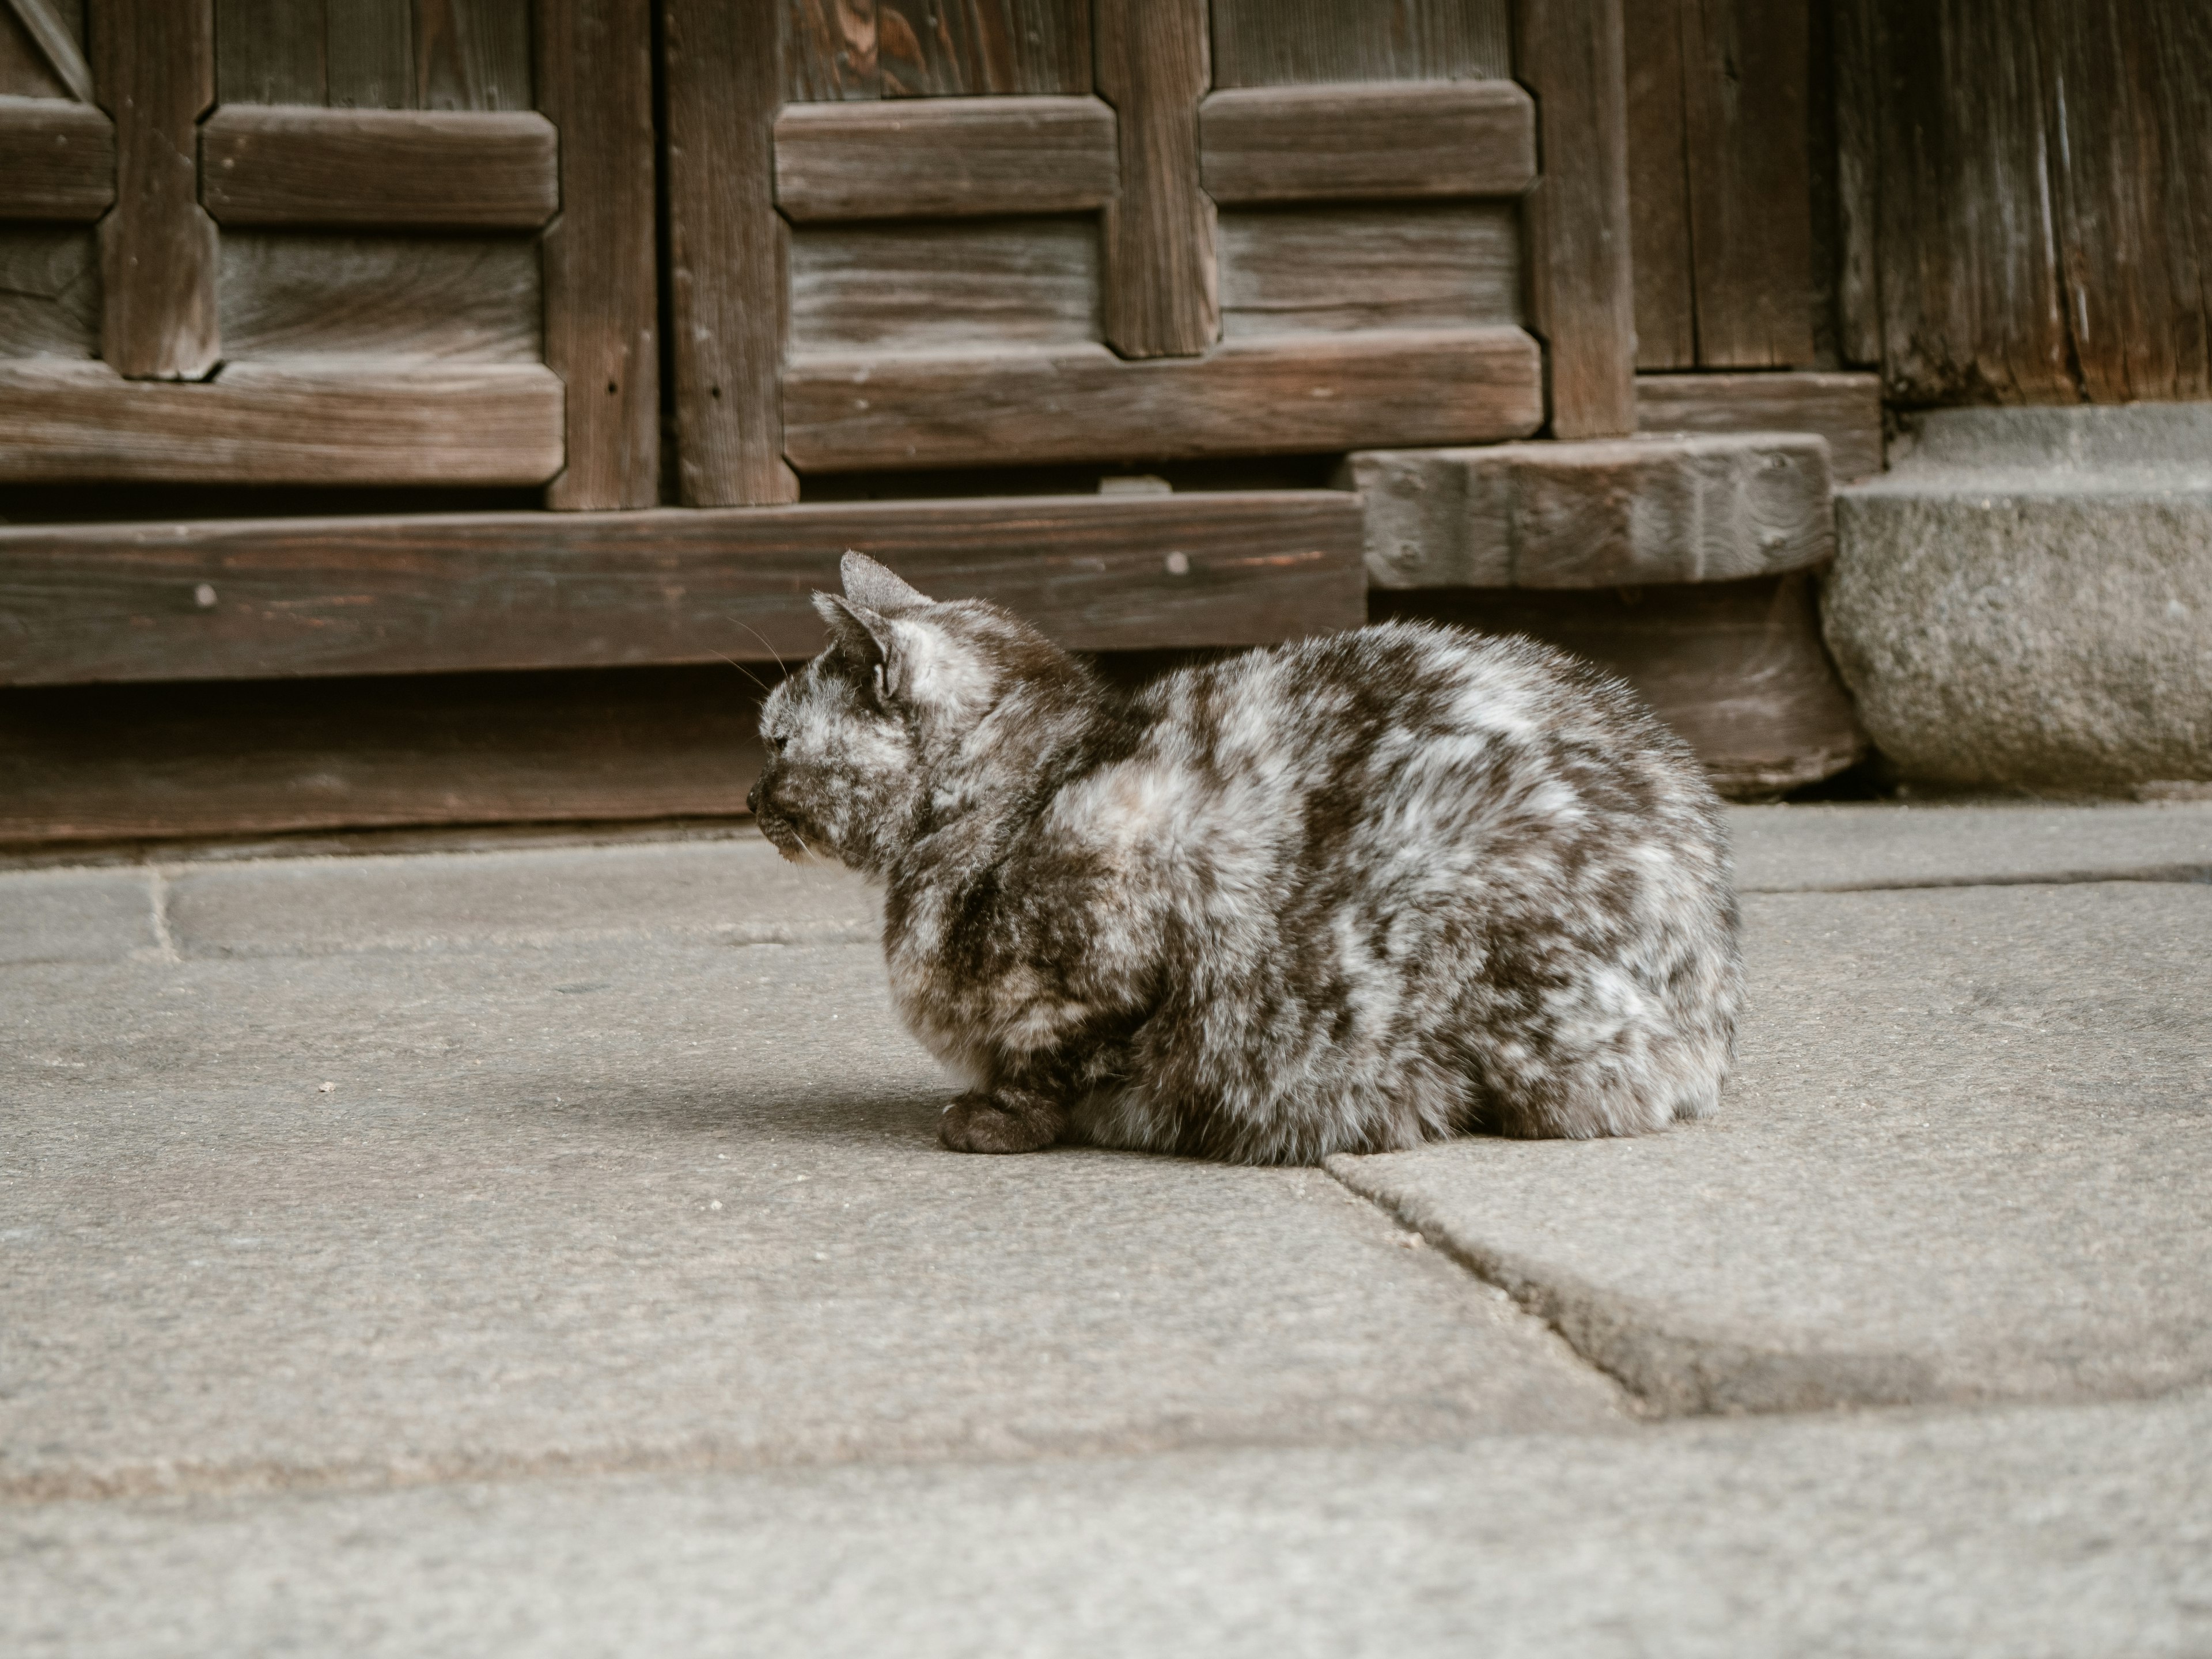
(1350, 893)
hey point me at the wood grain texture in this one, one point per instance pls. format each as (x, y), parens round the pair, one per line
(1659, 187)
(275, 423)
(726, 251)
(473, 54)
(49, 291)
(300, 295)
(915, 158)
(57, 160)
(1581, 287)
(1160, 295)
(1316, 394)
(1845, 409)
(423, 168)
(154, 61)
(838, 50)
(368, 54)
(602, 281)
(270, 52)
(1737, 668)
(1329, 270)
(24, 70)
(55, 30)
(1272, 43)
(340, 596)
(975, 283)
(1382, 139)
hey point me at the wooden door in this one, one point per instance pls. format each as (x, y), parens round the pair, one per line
(391, 242)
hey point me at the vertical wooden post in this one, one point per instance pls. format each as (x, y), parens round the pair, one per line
(602, 301)
(1151, 65)
(1582, 292)
(153, 67)
(724, 81)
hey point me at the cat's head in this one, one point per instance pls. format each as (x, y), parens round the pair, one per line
(907, 689)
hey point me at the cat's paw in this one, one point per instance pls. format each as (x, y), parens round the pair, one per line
(980, 1123)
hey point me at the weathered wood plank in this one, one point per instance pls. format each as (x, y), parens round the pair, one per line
(1659, 187)
(1845, 409)
(270, 52)
(57, 160)
(1581, 288)
(24, 70)
(369, 54)
(1737, 668)
(865, 49)
(55, 32)
(973, 283)
(1377, 140)
(301, 295)
(1314, 393)
(272, 424)
(1271, 43)
(602, 277)
(915, 158)
(473, 54)
(49, 291)
(432, 168)
(727, 254)
(154, 65)
(1160, 294)
(342, 596)
(1329, 270)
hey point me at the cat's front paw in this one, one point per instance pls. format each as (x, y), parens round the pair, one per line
(978, 1122)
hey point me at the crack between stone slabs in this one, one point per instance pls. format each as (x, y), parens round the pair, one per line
(2184, 875)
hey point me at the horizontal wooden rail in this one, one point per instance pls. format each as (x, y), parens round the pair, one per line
(532, 590)
(260, 423)
(277, 165)
(1276, 396)
(930, 156)
(1368, 140)
(57, 160)
(1845, 409)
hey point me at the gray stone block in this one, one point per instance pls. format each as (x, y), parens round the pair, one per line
(1839, 848)
(76, 915)
(1604, 513)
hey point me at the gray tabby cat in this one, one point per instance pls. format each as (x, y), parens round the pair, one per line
(1347, 895)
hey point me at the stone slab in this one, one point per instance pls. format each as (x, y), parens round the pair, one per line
(76, 915)
(2081, 1531)
(1965, 1157)
(637, 1204)
(1847, 846)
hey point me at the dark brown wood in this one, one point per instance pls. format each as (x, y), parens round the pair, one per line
(975, 284)
(840, 50)
(1858, 297)
(915, 158)
(1659, 187)
(24, 70)
(154, 65)
(422, 168)
(369, 54)
(57, 35)
(1160, 295)
(473, 54)
(340, 596)
(270, 52)
(270, 423)
(1737, 668)
(1312, 393)
(1327, 269)
(49, 291)
(128, 763)
(1271, 43)
(1380, 139)
(727, 254)
(398, 299)
(57, 160)
(1581, 288)
(1845, 409)
(602, 280)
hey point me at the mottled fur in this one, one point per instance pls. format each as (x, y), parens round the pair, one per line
(1351, 894)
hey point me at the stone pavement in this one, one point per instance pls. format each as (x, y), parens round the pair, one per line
(546, 1250)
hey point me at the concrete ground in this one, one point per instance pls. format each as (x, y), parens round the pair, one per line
(546, 1250)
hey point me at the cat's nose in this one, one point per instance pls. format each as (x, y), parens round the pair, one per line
(752, 798)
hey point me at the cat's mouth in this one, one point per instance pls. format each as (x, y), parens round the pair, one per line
(785, 836)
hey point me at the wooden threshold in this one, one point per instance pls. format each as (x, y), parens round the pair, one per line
(57, 160)
(331, 423)
(1283, 395)
(258, 598)
(1367, 141)
(1845, 409)
(437, 169)
(911, 157)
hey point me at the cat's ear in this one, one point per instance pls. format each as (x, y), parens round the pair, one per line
(872, 587)
(862, 636)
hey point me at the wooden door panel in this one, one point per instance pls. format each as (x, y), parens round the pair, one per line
(1336, 268)
(1289, 42)
(856, 50)
(922, 159)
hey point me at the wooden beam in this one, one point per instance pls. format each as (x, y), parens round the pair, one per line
(1368, 140)
(1160, 281)
(916, 157)
(57, 160)
(262, 423)
(1845, 409)
(602, 268)
(1582, 294)
(1306, 393)
(435, 169)
(727, 254)
(413, 595)
(155, 72)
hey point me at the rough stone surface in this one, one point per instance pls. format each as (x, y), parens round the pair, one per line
(1607, 513)
(1965, 1156)
(76, 915)
(1838, 847)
